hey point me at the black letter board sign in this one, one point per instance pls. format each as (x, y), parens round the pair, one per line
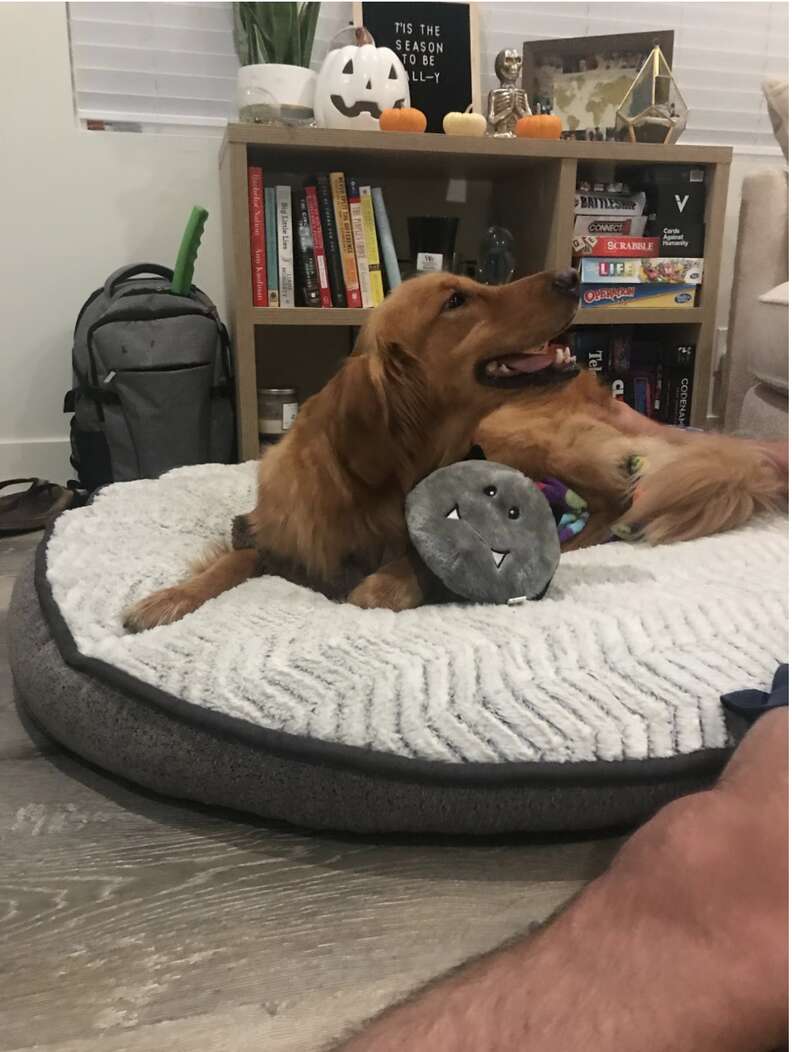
(437, 45)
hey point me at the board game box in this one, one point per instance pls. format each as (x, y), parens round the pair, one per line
(605, 204)
(658, 271)
(626, 296)
(599, 225)
(616, 246)
(676, 199)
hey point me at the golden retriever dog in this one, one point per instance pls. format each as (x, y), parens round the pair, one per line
(442, 363)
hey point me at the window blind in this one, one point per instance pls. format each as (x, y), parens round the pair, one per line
(173, 64)
(722, 53)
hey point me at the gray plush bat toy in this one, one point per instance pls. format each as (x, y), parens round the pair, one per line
(485, 533)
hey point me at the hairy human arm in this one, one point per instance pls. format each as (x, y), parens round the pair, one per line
(680, 946)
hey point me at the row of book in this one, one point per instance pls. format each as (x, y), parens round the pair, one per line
(326, 244)
(652, 373)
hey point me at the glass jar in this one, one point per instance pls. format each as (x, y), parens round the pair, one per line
(277, 408)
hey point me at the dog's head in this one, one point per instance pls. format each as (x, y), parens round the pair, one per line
(442, 351)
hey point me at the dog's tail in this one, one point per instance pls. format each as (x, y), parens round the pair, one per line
(219, 569)
(710, 485)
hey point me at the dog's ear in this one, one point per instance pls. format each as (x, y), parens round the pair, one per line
(383, 412)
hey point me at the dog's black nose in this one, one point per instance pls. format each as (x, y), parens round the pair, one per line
(566, 281)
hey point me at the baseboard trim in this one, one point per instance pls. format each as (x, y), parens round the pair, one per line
(44, 458)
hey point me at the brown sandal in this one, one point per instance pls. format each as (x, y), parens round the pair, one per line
(34, 508)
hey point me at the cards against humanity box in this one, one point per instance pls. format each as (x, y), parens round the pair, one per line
(676, 196)
(633, 296)
(658, 271)
(616, 246)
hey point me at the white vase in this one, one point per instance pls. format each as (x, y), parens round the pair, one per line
(273, 93)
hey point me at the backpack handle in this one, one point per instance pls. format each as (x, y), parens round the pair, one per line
(132, 271)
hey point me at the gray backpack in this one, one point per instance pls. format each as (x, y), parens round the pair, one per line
(152, 380)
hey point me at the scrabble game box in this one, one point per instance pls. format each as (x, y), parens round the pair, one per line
(642, 247)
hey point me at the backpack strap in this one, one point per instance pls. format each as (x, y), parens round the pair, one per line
(133, 270)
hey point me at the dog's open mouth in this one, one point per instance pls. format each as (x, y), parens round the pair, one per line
(546, 364)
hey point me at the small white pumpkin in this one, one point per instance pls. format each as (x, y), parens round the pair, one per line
(464, 124)
(355, 84)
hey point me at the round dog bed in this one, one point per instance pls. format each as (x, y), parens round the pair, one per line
(587, 709)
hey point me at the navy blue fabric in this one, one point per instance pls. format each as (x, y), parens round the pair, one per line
(751, 704)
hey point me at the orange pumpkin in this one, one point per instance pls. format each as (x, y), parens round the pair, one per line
(539, 126)
(404, 119)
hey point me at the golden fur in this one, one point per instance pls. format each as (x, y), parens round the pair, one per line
(409, 400)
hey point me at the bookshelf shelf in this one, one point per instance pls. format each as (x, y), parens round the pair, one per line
(527, 185)
(313, 316)
(639, 316)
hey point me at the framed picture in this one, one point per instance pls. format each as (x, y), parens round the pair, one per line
(438, 44)
(584, 79)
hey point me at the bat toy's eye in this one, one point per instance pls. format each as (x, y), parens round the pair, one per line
(489, 491)
(514, 513)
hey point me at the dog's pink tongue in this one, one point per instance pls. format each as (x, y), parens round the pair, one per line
(530, 363)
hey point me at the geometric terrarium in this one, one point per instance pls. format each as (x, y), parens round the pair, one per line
(653, 110)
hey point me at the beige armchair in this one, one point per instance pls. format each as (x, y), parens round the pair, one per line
(756, 397)
(757, 364)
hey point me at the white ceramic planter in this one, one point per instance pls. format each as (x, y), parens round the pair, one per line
(291, 88)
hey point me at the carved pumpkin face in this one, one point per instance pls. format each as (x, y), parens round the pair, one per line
(355, 84)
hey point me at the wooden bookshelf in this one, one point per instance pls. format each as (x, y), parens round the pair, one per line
(526, 185)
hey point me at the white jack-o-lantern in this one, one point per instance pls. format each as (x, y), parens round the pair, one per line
(355, 84)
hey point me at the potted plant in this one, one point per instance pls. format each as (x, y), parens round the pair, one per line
(274, 42)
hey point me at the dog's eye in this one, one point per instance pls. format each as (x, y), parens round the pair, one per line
(456, 299)
(514, 513)
(489, 491)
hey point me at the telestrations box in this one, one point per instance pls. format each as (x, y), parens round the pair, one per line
(679, 297)
(658, 271)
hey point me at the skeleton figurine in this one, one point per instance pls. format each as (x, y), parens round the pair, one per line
(509, 102)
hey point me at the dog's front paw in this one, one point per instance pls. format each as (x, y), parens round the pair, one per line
(161, 608)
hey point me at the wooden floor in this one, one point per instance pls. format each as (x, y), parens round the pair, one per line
(133, 923)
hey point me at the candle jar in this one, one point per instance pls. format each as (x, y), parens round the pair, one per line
(277, 408)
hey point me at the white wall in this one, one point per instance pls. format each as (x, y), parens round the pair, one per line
(74, 205)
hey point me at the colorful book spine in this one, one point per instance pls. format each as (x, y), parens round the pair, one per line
(372, 250)
(309, 275)
(285, 246)
(345, 240)
(271, 236)
(392, 271)
(312, 204)
(335, 272)
(258, 260)
(359, 239)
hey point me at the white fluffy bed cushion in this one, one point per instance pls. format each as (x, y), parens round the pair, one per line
(626, 656)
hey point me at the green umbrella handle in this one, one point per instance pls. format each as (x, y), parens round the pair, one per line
(188, 250)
